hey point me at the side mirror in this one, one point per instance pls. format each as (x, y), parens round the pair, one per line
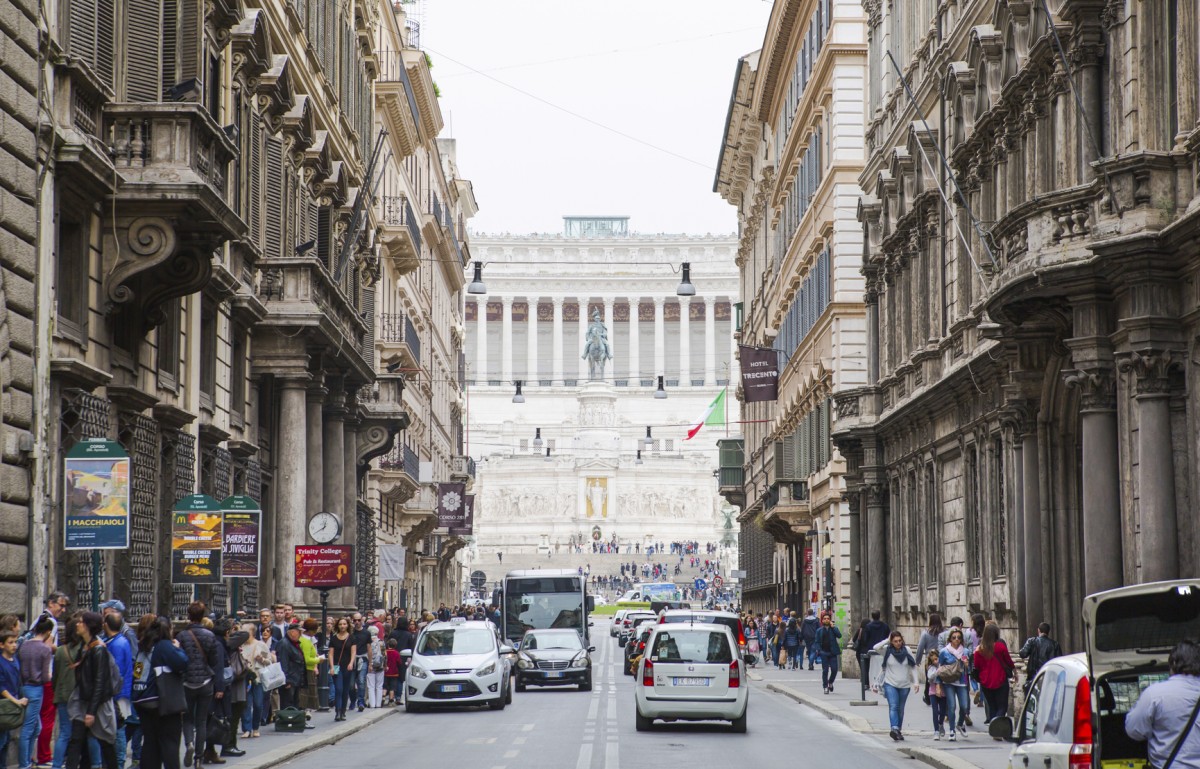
(406, 653)
(506, 649)
(591, 648)
(1002, 729)
(591, 624)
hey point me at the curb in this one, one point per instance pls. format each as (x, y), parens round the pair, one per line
(939, 759)
(274, 758)
(857, 723)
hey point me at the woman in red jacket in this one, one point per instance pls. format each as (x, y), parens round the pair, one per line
(993, 668)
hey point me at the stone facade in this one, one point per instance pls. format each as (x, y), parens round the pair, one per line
(1027, 434)
(790, 162)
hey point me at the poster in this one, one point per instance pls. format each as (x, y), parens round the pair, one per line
(596, 492)
(96, 496)
(392, 560)
(450, 504)
(196, 541)
(760, 373)
(324, 567)
(468, 525)
(240, 541)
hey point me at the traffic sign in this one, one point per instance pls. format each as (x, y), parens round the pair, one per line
(717, 581)
(701, 584)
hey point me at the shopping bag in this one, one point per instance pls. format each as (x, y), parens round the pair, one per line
(271, 677)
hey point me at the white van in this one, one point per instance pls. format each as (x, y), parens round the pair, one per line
(1074, 715)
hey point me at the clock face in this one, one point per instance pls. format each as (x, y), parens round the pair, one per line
(324, 528)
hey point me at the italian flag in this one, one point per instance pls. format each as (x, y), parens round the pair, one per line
(714, 415)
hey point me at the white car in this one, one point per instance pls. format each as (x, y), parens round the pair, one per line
(458, 663)
(1074, 715)
(616, 622)
(691, 672)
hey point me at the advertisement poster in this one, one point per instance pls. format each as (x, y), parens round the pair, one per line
(96, 496)
(468, 525)
(450, 503)
(240, 541)
(760, 373)
(324, 567)
(196, 541)
(392, 560)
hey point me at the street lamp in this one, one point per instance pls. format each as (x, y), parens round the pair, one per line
(648, 440)
(518, 397)
(638, 461)
(661, 392)
(537, 438)
(476, 286)
(548, 454)
(685, 284)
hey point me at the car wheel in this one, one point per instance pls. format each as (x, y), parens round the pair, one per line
(520, 684)
(496, 704)
(739, 724)
(413, 707)
(642, 723)
(508, 696)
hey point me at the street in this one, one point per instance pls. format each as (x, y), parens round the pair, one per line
(557, 728)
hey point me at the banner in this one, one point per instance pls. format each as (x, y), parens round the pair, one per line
(324, 567)
(196, 541)
(240, 551)
(96, 496)
(392, 562)
(760, 373)
(450, 504)
(468, 525)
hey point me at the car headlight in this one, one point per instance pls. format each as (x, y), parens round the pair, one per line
(525, 663)
(487, 669)
(417, 672)
(581, 661)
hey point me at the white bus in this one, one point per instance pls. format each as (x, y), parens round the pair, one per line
(534, 599)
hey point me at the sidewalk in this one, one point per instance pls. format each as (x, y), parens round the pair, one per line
(976, 751)
(274, 748)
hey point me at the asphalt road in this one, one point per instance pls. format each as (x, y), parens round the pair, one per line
(564, 728)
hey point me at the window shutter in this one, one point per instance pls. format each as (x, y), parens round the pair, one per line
(191, 46)
(255, 175)
(324, 235)
(274, 218)
(106, 22)
(368, 311)
(144, 38)
(310, 226)
(170, 45)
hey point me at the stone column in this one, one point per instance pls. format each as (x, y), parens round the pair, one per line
(315, 490)
(635, 349)
(1102, 560)
(1156, 464)
(853, 508)
(350, 486)
(506, 361)
(710, 341)
(482, 375)
(291, 489)
(583, 324)
(685, 342)
(1031, 505)
(611, 367)
(531, 365)
(334, 454)
(877, 552)
(660, 338)
(558, 340)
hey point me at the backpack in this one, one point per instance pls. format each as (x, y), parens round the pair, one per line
(377, 655)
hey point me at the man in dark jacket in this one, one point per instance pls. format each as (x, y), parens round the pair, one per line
(96, 716)
(808, 634)
(234, 702)
(291, 659)
(875, 631)
(203, 681)
(1039, 650)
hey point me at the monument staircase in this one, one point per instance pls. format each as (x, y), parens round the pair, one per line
(601, 564)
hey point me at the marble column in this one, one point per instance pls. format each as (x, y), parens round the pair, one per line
(482, 374)
(660, 338)
(635, 351)
(1101, 487)
(558, 340)
(350, 487)
(610, 368)
(315, 492)
(531, 365)
(853, 506)
(685, 342)
(583, 324)
(877, 553)
(291, 490)
(710, 341)
(334, 454)
(1156, 465)
(506, 360)
(1032, 525)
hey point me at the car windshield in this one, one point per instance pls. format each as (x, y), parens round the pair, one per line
(441, 642)
(536, 604)
(561, 640)
(692, 646)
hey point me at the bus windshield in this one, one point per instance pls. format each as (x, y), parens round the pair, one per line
(540, 603)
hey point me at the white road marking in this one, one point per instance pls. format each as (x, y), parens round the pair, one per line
(511, 753)
(611, 757)
(585, 756)
(527, 727)
(519, 740)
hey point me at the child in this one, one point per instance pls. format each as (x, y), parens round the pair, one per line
(10, 678)
(391, 674)
(936, 695)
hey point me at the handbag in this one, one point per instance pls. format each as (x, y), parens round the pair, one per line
(171, 697)
(219, 729)
(12, 715)
(271, 677)
(952, 673)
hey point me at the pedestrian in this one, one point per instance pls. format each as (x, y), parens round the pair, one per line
(201, 685)
(829, 651)
(117, 641)
(1166, 711)
(256, 655)
(896, 677)
(869, 636)
(91, 708)
(158, 694)
(391, 673)
(291, 659)
(954, 662)
(993, 666)
(968, 636)
(312, 659)
(66, 659)
(342, 653)
(34, 658)
(935, 694)
(236, 692)
(929, 636)
(362, 647)
(376, 664)
(792, 642)
(55, 608)
(10, 682)
(1038, 650)
(808, 635)
(777, 643)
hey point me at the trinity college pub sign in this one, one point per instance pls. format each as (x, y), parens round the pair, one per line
(324, 567)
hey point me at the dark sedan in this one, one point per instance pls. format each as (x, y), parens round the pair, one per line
(554, 658)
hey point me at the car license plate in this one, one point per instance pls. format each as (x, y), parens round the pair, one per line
(554, 674)
(452, 687)
(689, 681)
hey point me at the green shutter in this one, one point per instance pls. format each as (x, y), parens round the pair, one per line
(143, 43)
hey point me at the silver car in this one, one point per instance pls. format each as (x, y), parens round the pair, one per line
(691, 672)
(458, 663)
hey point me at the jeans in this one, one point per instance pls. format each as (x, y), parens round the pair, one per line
(957, 697)
(995, 701)
(829, 670)
(341, 684)
(133, 733)
(360, 682)
(195, 716)
(252, 715)
(896, 697)
(27, 747)
(939, 713)
(64, 736)
(793, 656)
(160, 742)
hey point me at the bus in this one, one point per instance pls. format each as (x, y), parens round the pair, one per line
(534, 599)
(647, 592)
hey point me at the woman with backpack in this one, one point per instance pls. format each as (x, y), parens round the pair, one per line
(791, 642)
(953, 665)
(993, 667)
(91, 707)
(158, 695)
(897, 675)
(376, 667)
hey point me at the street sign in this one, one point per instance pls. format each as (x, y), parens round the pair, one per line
(717, 581)
(701, 584)
(737, 574)
(324, 566)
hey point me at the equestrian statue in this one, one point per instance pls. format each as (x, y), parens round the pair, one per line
(595, 349)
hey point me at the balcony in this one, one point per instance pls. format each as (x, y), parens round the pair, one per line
(397, 102)
(398, 341)
(399, 472)
(383, 416)
(171, 202)
(401, 232)
(790, 516)
(462, 469)
(731, 473)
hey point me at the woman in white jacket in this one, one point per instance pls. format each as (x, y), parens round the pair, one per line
(896, 675)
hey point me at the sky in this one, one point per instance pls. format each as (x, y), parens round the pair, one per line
(659, 71)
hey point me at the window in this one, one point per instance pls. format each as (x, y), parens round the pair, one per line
(1027, 728)
(971, 530)
(72, 266)
(168, 345)
(208, 354)
(999, 537)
